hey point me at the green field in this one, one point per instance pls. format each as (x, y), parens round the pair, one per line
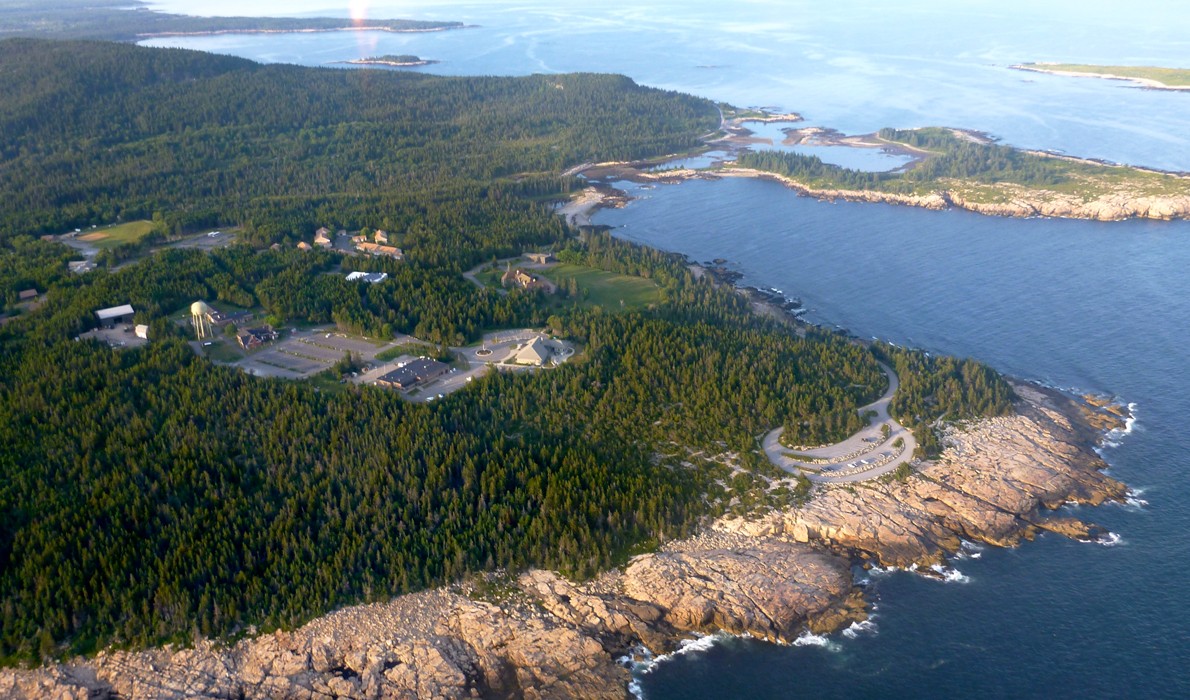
(606, 289)
(112, 236)
(1172, 77)
(224, 350)
(415, 349)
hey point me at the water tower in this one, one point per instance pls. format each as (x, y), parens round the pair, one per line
(200, 317)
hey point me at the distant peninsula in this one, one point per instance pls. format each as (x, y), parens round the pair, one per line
(132, 20)
(1151, 77)
(951, 168)
(399, 61)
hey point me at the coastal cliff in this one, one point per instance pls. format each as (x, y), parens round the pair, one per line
(541, 636)
(1012, 200)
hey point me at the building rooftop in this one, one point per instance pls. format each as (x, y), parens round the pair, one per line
(372, 277)
(414, 372)
(115, 312)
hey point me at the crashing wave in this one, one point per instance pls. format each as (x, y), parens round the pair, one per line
(809, 639)
(1107, 539)
(969, 550)
(1133, 499)
(858, 628)
(1114, 437)
(949, 574)
(642, 661)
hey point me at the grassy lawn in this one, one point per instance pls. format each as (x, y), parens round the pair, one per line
(131, 232)
(1174, 77)
(415, 349)
(606, 289)
(324, 382)
(491, 276)
(224, 350)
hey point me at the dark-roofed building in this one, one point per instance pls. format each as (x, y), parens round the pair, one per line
(413, 373)
(255, 337)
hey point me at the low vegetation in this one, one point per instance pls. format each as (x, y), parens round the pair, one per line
(1172, 77)
(981, 171)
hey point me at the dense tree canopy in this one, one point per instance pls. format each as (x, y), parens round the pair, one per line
(150, 494)
(95, 132)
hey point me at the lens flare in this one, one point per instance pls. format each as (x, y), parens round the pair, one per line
(359, 11)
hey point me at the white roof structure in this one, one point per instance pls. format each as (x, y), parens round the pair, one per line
(372, 277)
(115, 312)
(535, 352)
(142, 331)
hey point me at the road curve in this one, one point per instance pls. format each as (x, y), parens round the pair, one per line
(842, 462)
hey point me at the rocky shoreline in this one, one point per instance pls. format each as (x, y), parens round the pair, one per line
(538, 635)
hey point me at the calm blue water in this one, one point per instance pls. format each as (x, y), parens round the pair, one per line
(1100, 307)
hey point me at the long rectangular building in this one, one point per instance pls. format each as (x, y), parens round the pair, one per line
(413, 373)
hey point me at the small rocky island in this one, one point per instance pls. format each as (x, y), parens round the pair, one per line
(397, 61)
(771, 575)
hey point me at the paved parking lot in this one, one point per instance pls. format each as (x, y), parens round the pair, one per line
(301, 354)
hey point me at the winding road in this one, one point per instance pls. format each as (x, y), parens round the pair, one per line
(848, 461)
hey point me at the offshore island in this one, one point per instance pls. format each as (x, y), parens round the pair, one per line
(224, 475)
(1150, 77)
(398, 61)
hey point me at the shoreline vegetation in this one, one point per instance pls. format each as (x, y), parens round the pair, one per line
(1147, 77)
(951, 168)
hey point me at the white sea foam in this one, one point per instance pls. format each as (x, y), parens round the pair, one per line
(635, 690)
(1133, 499)
(808, 639)
(1114, 437)
(950, 575)
(1110, 539)
(643, 661)
(969, 550)
(858, 628)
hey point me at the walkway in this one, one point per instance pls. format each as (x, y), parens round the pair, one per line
(865, 455)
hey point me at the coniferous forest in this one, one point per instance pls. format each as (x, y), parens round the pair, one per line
(150, 495)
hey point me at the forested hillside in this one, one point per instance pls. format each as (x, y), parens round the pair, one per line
(208, 140)
(150, 495)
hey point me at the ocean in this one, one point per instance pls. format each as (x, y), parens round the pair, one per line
(1089, 306)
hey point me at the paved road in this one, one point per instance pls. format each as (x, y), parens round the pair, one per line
(845, 456)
